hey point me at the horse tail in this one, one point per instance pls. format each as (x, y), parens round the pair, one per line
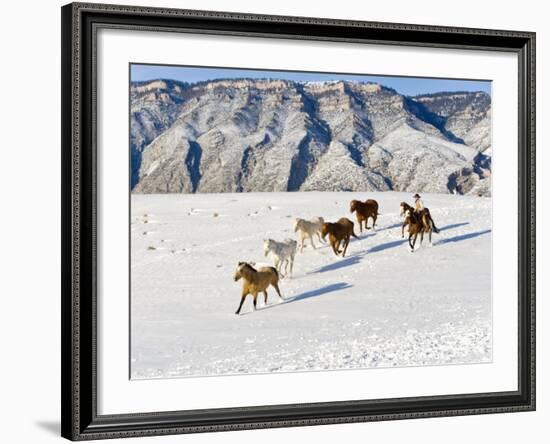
(434, 228)
(375, 205)
(274, 270)
(431, 221)
(275, 279)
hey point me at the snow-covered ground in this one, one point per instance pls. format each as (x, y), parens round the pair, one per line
(380, 306)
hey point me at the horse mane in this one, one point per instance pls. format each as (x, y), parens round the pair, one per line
(412, 214)
(247, 265)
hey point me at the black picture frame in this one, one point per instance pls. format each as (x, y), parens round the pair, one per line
(80, 420)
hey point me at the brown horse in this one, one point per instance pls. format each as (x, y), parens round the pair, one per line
(416, 226)
(256, 281)
(425, 218)
(338, 232)
(404, 208)
(364, 210)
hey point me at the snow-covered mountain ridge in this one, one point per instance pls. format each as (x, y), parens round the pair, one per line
(240, 135)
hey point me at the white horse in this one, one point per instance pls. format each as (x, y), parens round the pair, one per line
(282, 252)
(307, 229)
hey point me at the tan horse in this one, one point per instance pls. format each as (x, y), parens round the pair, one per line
(338, 232)
(256, 281)
(364, 210)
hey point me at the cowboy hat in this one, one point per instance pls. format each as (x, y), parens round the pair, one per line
(416, 196)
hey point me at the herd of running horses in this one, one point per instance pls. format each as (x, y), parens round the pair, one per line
(417, 219)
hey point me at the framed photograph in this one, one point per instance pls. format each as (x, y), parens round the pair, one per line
(282, 221)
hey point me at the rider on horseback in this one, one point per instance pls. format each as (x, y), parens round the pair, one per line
(419, 208)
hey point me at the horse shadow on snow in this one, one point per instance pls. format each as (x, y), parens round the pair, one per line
(463, 237)
(345, 262)
(450, 227)
(387, 245)
(319, 291)
(331, 288)
(459, 238)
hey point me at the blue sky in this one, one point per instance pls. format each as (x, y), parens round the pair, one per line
(409, 86)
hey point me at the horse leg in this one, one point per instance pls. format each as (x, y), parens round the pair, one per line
(286, 266)
(427, 223)
(279, 267)
(255, 298)
(243, 297)
(291, 264)
(414, 241)
(403, 230)
(265, 297)
(374, 221)
(360, 222)
(346, 243)
(311, 239)
(301, 242)
(333, 245)
(338, 244)
(430, 237)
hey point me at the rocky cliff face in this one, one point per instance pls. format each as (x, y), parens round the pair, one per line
(466, 115)
(153, 108)
(276, 135)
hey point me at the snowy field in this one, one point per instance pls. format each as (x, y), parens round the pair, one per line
(380, 306)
